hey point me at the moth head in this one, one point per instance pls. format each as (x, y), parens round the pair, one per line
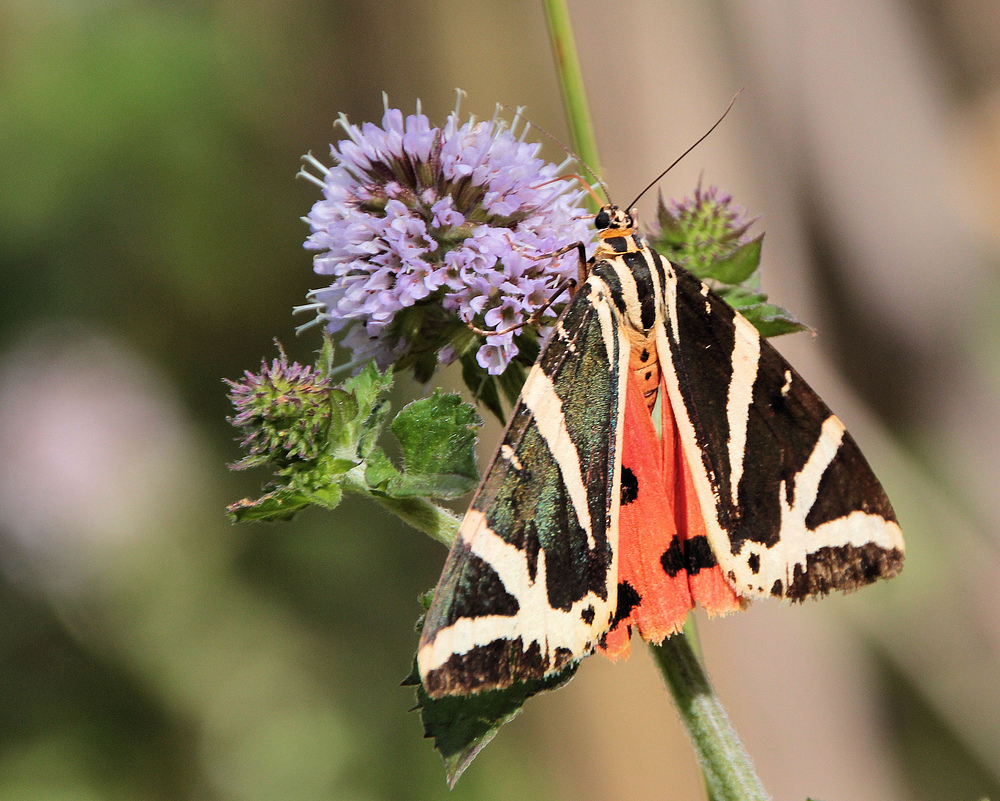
(614, 218)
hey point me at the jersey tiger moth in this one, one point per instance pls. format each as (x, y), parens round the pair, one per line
(588, 524)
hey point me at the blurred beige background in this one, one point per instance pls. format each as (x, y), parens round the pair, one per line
(150, 245)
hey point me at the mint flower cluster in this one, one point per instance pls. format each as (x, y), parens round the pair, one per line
(429, 233)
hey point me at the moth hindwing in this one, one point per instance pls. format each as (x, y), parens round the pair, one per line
(753, 489)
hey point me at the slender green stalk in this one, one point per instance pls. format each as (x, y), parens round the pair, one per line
(728, 770)
(435, 522)
(574, 96)
(421, 513)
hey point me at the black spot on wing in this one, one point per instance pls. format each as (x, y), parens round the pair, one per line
(843, 567)
(532, 546)
(561, 657)
(587, 615)
(776, 588)
(754, 563)
(848, 485)
(699, 554)
(628, 599)
(672, 561)
(630, 486)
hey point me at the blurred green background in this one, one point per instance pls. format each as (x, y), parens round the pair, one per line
(150, 245)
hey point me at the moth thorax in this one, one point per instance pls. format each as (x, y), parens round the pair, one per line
(644, 365)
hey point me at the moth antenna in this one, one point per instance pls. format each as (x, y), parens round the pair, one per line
(701, 139)
(574, 156)
(578, 177)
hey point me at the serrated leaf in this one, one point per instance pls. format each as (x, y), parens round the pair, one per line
(380, 474)
(344, 405)
(275, 506)
(739, 265)
(324, 358)
(337, 467)
(367, 386)
(773, 321)
(769, 320)
(462, 725)
(741, 297)
(328, 496)
(438, 439)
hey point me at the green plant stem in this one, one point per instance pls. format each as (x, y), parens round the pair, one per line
(728, 769)
(435, 522)
(574, 97)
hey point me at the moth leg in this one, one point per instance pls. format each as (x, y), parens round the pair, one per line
(569, 283)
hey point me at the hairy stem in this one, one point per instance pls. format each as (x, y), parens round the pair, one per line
(728, 769)
(422, 514)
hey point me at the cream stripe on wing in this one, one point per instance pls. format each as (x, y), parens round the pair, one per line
(745, 360)
(535, 620)
(630, 292)
(600, 301)
(540, 397)
(805, 489)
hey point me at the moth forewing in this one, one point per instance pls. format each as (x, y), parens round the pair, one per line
(529, 583)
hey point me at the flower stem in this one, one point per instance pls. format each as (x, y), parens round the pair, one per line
(728, 769)
(574, 96)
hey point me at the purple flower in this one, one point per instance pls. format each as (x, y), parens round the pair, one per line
(427, 232)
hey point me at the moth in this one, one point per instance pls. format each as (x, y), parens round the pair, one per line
(588, 525)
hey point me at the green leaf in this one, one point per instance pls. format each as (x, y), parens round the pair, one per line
(380, 473)
(342, 430)
(462, 725)
(777, 324)
(770, 320)
(739, 265)
(438, 438)
(275, 506)
(324, 358)
(369, 388)
(336, 467)
(368, 385)
(328, 496)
